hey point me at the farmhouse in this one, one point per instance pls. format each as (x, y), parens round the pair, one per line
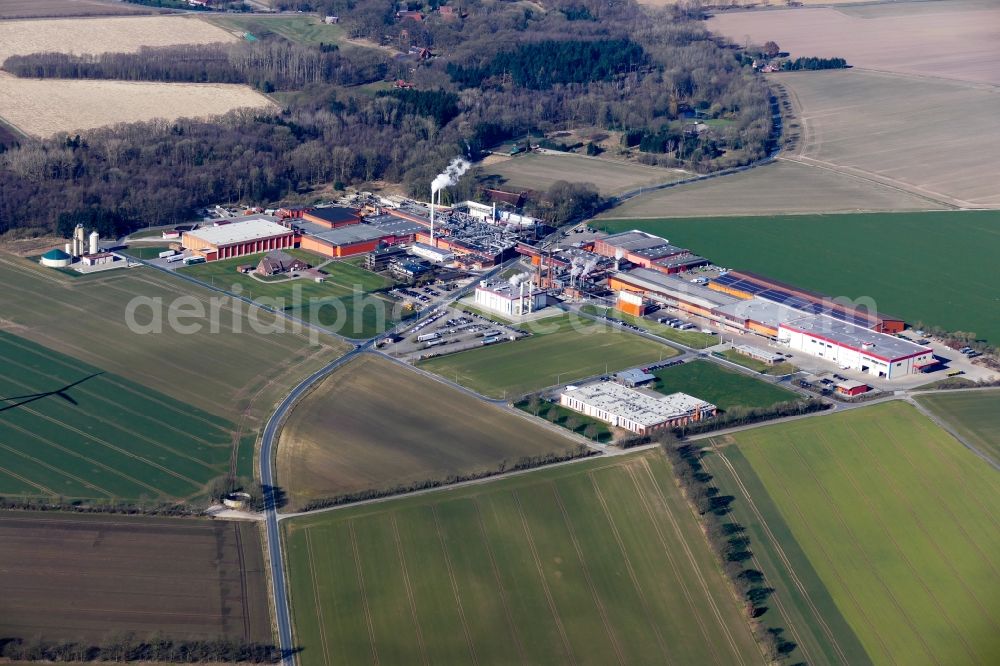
(238, 239)
(855, 347)
(634, 410)
(277, 262)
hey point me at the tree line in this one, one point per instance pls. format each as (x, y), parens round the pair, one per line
(129, 648)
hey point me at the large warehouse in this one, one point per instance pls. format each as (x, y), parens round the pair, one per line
(648, 251)
(855, 347)
(238, 238)
(344, 241)
(672, 291)
(635, 411)
(332, 217)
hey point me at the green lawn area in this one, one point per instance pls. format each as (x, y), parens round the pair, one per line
(299, 29)
(344, 303)
(778, 369)
(723, 388)
(103, 437)
(145, 251)
(596, 562)
(694, 339)
(561, 416)
(919, 278)
(562, 349)
(975, 415)
(888, 524)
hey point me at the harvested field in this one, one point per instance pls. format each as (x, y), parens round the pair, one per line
(975, 415)
(375, 424)
(822, 253)
(21, 9)
(879, 532)
(562, 349)
(539, 172)
(83, 577)
(237, 373)
(101, 35)
(597, 562)
(865, 124)
(43, 107)
(772, 189)
(952, 40)
(71, 431)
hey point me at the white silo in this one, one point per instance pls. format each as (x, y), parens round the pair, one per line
(69, 249)
(95, 242)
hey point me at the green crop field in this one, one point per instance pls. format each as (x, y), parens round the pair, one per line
(235, 369)
(940, 268)
(975, 415)
(563, 348)
(596, 562)
(343, 303)
(723, 388)
(69, 430)
(879, 531)
(299, 29)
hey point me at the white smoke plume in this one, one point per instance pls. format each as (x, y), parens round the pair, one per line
(450, 175)
(589, 267)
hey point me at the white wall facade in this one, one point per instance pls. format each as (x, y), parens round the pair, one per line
(512, 306)
(855, 359)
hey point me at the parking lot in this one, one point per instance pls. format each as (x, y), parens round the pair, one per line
(449, 330)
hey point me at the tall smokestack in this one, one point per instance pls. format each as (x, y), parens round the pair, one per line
(432, 217)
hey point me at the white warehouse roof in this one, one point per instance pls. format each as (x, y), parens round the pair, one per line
(240, 232)
(879, 345)
(642, 408)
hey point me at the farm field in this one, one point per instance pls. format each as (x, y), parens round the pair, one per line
(863, 123)
(723, 388)
(71, 431)
(539, 172)
(375, 424)
(822, 253)
(344, 303)
(896, 524)
(298, 29)
(598, 562)
(75, 577)
(43, 107)
(771, 189)
(954, 39)
(974, 415)
(236, 373)
(21, 9)
(562, 349)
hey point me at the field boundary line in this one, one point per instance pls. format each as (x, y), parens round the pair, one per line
(793, 502)
(779, 551)
(860, 492)
(409, 588)
(454, 585)
(541, 575)
(14, 475)
(315, 593)
(502, 593)
(586, 572)
(858, 545)
(631, 570)
(946, 425)
(687, 550)
(364, 594)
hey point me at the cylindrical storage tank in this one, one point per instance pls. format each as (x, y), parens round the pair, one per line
(94, 242)
(69, 248)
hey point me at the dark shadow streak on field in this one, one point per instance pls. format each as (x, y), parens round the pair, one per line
(25, 399)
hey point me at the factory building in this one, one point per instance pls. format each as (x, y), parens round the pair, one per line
(633, 410)
(672, 291)
(648, 251)
(381, 258)
(238, 239)
(344, 241)
(430, 253)
(332, 217)
(513, 298)
(855, 347)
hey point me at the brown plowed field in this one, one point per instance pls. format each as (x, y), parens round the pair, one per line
(82, 577)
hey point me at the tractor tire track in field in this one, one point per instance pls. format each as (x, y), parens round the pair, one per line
(243, 581)
(926, 532)
(321, 623)
(859, 547)
(409, 588)
(687, 549)
(598, 602)
(364, 594)
(501, 592)
(647, 612)
(52, 468)
(779, 551)
(873, 510)
(30, 483)
(692, 606)
(454, 586)
(541, 575)
(793, 503)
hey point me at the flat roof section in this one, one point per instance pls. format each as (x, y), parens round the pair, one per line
(761, 311)
(335, 214)
(396, 226)
(637, 406)
(651, 280)
(240, 232)
(355, 233)
(879, 345)
(634, 241)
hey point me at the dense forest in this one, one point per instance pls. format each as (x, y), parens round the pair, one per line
(495, 71)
